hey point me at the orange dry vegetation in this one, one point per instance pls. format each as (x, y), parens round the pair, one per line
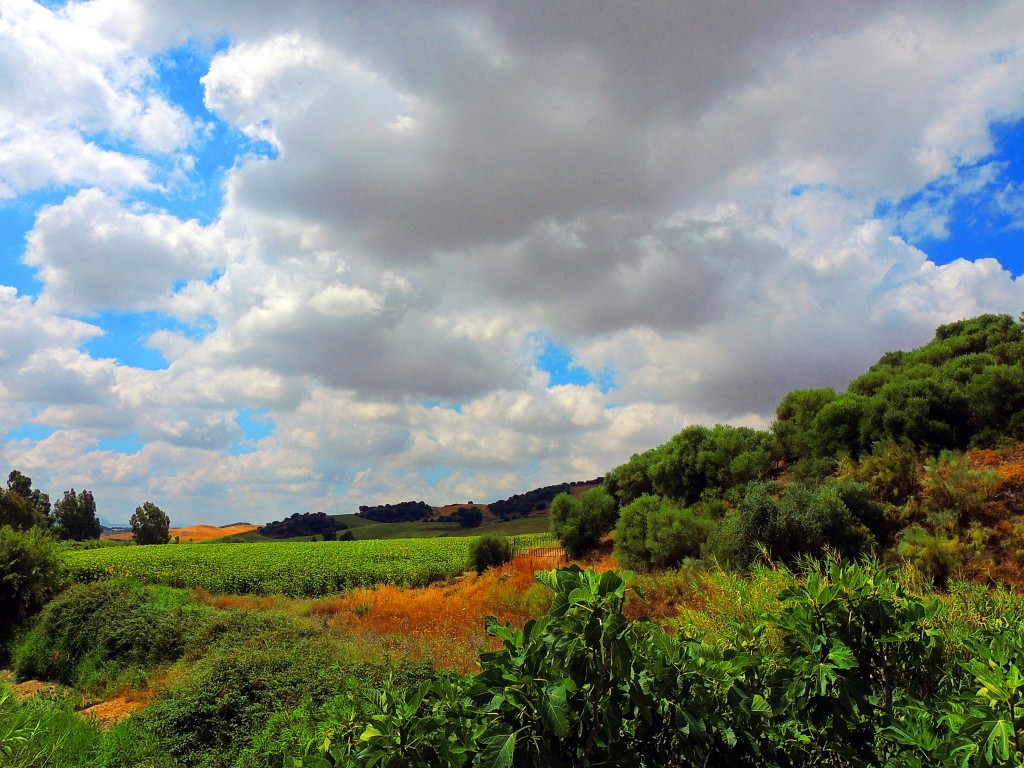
(1002, 556)
(196, 532)
(443, 624)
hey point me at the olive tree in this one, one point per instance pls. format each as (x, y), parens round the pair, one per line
(150, 525)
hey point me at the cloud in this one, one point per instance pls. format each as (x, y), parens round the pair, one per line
(68, 88)
(719, 205)
(93, 254)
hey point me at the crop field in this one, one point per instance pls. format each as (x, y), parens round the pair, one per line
(288, 568)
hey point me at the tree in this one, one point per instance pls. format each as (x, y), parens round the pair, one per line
(150, 525)
(38, 501)
(579, 523)
(75, 516)
(15, 511)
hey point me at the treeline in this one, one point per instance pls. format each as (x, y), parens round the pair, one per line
(877, 468)
(73, 518)
(537, 500)
(471, 515)
(402, 512)
(303, 524)
(23, 507)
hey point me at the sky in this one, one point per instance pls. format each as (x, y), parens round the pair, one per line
(259, 258)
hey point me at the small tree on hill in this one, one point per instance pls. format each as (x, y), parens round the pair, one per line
(75, 516)
(150, 525)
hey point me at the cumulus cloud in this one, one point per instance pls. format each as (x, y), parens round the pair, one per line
(93, 254)
(66, 83)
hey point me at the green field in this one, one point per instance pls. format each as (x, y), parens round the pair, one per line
(366, 530)
(280, 567)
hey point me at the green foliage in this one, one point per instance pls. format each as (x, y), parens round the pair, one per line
(93, 635)
(804, 520)
(631, 480)
(40, 502)
(653, 532)
(30, 573)
(17, 512)
(207, 716)
(952, 485)
(695, 463)
(849, 668)
(150, 525)
(965, 387)
(794, 418)
(936, 555)
(75, 516)
(733, 456)
(580, 522)
(489, 551)
(44, 732)
(631, 530)
(891, 472)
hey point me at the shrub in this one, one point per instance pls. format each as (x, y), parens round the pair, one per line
(30, 573)
(488, 551)
(579, 523)
(674, 535)
(209, 715)
(92, 634)
(631, 530)
(804, 520)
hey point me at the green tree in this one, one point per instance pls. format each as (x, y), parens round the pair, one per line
(16, 512)
(75, 517)
(37, 501)
(794, 418)
(632, 480)
(631, 531)
(579, 523)
(150, 525)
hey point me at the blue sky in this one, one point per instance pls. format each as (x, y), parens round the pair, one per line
(259, 259)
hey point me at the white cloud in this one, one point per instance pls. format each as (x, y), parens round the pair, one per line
(66, 89)
(93, 254)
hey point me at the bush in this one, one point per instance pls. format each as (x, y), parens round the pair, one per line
(631, 530)
(803, 520)
(92, 634)
(30, 573)
(579, 523)
(489, 551)
(259, 665)
(674, 535)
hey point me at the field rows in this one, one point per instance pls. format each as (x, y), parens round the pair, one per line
(290, 568)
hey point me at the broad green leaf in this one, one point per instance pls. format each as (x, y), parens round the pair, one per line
(498, 752)
(555, 710)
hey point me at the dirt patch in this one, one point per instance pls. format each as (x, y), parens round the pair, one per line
(196, 532)
(107, 713)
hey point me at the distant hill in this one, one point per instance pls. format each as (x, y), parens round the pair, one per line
(535, 502)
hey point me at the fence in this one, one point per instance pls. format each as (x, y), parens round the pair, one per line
(548, 553)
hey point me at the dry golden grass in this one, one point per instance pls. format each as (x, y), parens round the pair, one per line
(196, 532)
